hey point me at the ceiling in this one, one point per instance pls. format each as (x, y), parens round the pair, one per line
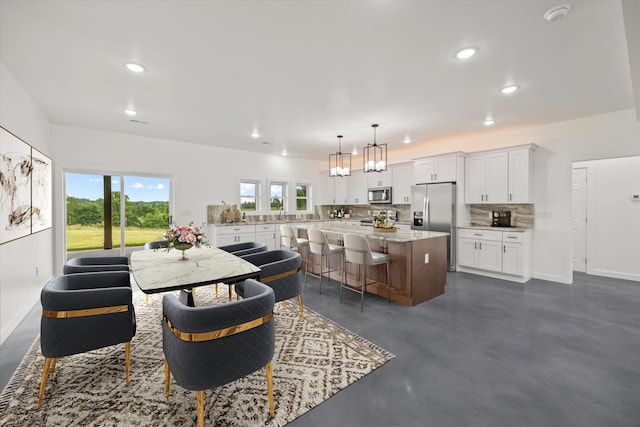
(302, 72)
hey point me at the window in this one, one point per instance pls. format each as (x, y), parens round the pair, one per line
(303, 197)
(277, 196)
(249, 191)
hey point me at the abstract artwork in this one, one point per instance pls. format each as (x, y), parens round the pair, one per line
(41, 203)
(25, 188)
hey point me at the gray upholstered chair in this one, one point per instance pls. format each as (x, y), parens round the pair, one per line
(156, 244)
(281, 272)
(93, 264)
(245, 248)
(357, 251)
(240, 249)
(205, 347)
(289, 240)
(83, 312)
(319, 245)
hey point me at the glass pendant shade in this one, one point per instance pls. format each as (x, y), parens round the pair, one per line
(340, 163)
(375, 155)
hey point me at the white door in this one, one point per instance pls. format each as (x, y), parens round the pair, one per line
(579, 218)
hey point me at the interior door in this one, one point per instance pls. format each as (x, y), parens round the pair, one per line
(579, 218)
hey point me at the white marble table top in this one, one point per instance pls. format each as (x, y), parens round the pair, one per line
(161, 271)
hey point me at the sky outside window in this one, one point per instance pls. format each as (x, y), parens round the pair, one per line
(145, 189)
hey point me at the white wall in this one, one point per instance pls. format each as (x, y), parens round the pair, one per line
(559, 144)
(20, 284)
(613, 218)
(202, 175)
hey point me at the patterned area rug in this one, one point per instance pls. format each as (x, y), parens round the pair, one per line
(314, 359)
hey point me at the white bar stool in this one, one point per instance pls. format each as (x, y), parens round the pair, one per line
(289, 240)
(319, 245)
(358, 251)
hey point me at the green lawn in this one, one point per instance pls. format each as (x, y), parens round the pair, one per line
(81, 237)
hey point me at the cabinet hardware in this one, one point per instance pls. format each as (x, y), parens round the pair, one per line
(482, 197)
(480, 244)
(475, 245)
(504, 249)
(477, 234)
(486, 197)
(510, 197)
(511, 237)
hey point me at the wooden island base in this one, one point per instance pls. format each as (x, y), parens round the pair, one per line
(412, 280)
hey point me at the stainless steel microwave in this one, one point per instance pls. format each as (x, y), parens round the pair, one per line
(379, 195)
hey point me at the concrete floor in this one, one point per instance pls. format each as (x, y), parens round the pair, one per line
(487, 353)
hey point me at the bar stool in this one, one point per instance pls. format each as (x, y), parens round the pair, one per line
(319, 245)
(289, 240)
(358, 251)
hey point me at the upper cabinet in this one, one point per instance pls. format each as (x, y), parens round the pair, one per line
(500, 176)
(379, 179)
(402, 181)
(435, 169)
(357, 189)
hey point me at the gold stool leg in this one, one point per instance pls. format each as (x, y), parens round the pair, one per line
(301, 306)
(167, 378)
(43, 381)
(200, 407)
(127, 358)
(270, 388)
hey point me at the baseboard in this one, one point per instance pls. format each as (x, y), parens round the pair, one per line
(12, 324)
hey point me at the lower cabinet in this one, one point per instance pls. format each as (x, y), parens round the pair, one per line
(501, 254)
(266, 233)
(228, 235)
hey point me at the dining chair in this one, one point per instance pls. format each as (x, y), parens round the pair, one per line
(319, 245)
(93, 264)
(156, 244)
(280, 270)
(208, 347)
(240, 249)
(358, 251)
(83, 312)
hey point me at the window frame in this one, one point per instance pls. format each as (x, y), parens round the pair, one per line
(258, 196)
(285, 195)
(308, 197)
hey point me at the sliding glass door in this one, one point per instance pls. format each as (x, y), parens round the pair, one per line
(114, 214)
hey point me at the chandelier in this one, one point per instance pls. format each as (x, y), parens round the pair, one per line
(340, 163)
(374, 155)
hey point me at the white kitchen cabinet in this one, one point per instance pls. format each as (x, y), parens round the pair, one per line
(229, 235)
(499, 176)
(500, 254)
(340, 190)
(435, 169)
(520, 182)
(266, 233)
(326, 189)
(402, 177)
(357, 189)
(486, 177)
(379, 179)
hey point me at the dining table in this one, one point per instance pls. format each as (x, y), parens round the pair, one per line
(159, 270)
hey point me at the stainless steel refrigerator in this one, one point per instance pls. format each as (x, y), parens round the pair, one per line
(433, 208)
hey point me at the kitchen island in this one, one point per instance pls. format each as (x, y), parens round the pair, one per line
(418, 260)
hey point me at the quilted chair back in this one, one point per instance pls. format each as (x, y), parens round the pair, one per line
(246, 248)
(93, 264)
(156, 244)
(280, 271)
(108, 294)
(201, 355)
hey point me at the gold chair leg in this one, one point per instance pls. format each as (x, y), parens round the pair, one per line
(167, 378)
(200, 407)
(53, 366)
(127, 358)
(193, 290)
(43, 381)
(216, 290)
(270, 388)
(301, 307)
(146, 298)
(284, 304)
(230, 290)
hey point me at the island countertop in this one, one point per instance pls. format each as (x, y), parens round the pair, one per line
(400, 235)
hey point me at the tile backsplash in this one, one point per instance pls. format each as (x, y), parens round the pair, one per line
(521, 214)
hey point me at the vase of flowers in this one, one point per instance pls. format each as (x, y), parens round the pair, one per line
(183, 237)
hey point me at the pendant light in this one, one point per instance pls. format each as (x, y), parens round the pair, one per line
(374, 155)
(340, 163)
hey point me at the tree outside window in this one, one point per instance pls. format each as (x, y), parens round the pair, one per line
(302, 197)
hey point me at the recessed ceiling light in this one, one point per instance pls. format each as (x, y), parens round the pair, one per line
(354, 152)
(509, 89)
(136, 68)
(466, 52)
(489, 122)
(130, 112)
(255, 134)
(407, 140)
(284, 152)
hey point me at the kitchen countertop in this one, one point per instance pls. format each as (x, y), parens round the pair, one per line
(401, 235)
(488, 227)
